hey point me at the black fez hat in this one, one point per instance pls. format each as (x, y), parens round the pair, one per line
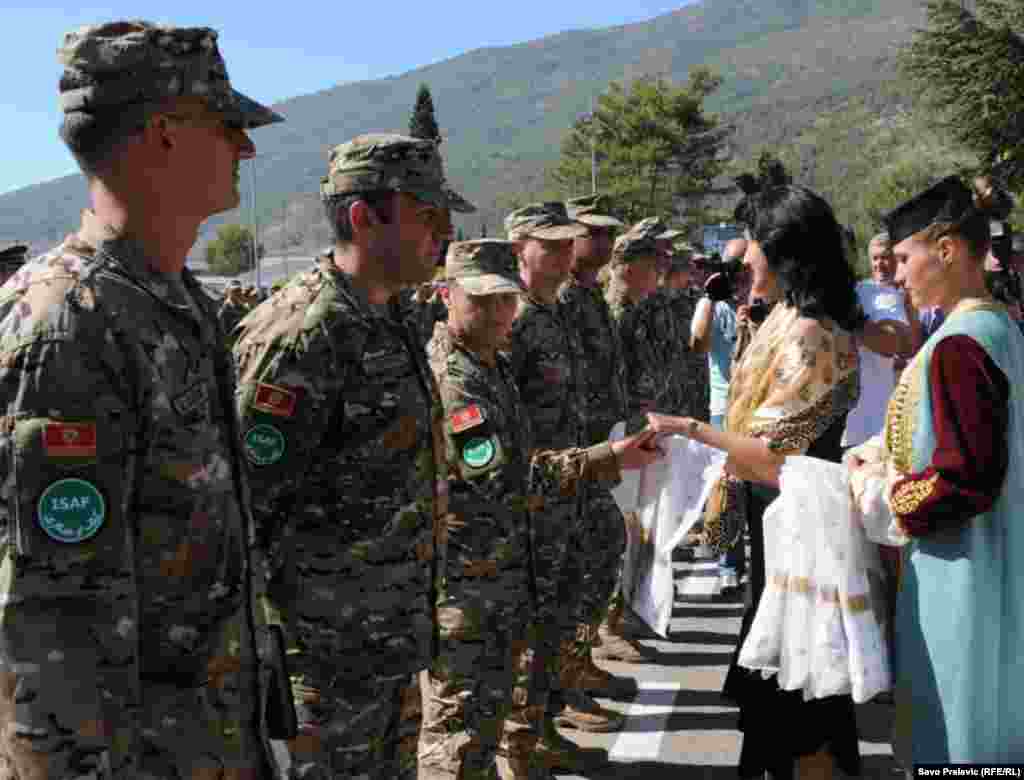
(13, 255)
(948, 201)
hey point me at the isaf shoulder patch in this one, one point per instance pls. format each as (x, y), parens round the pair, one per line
(275, 400)
(478, 453)
(264, 445)
(71, 511)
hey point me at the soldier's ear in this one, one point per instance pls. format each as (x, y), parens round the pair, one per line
(361, 216)
(160, 129)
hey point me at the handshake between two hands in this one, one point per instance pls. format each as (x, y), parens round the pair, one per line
(642, 448)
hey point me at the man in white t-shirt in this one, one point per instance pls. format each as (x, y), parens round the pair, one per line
(889, 338)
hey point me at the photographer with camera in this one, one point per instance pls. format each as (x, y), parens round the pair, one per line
(717, 325)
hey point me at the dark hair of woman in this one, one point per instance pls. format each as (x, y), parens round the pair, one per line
(1004, 286)
(805, 248)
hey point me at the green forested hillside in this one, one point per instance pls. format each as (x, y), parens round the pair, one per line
(503, 110)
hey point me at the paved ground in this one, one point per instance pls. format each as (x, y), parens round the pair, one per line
(678, 726)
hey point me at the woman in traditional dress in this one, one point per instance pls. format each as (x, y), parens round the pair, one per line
(952, 457)
(789, 394)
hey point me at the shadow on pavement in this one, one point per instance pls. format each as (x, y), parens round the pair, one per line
(656, 770)
(673, 697)
(657, 723)
(874, 722)
(702, 638)
(662, 658)
(697, 610)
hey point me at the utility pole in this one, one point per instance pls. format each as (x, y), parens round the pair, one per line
(252, 219)
(593, 148)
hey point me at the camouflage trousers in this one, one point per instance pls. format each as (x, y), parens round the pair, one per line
(61, 724)
(550, 536)
(467, 693)
(350, 730)
(593, 561)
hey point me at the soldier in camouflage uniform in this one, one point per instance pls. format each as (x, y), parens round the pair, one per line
(544, 351)
(484, 591)
(341, 422)
(12, 258)
(636, 260)
(598, 550)
(669, 312)
(128, 646)
(484, 601)
(233, 310)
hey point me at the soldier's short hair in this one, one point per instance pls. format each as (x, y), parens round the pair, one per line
(94, 139)
(336, 209)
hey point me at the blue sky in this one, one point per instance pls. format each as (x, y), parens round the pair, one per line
(274, 50)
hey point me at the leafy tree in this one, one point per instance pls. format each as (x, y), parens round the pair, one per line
(655, 145)
(968, 68)
(770, 172)
(865, 163)
(231, 252)
(423, 124)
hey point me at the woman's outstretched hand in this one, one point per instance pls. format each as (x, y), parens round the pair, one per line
(638, 450)
(667, 424)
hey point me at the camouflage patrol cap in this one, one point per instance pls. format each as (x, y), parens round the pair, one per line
(654, 227)
(484, 267)
(630, 247)
(549, 221)
(111, 65)
(594, 210)
(13, 255)
(389, 161)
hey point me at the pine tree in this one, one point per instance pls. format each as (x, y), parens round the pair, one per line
(654, 142)
(423, 124)
(968, 68)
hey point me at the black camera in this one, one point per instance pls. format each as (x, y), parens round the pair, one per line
(759, 310)
(722, 283)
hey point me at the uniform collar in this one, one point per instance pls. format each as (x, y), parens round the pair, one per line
(97, 239)
(352, 294)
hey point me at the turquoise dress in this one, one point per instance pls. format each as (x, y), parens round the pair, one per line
(960, 611)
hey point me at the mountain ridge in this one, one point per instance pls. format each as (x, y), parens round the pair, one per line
(503, 109)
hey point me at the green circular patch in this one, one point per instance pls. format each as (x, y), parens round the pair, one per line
(71, 511)
(478, 452)
(264, 445)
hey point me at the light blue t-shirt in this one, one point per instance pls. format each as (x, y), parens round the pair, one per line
(723, 341)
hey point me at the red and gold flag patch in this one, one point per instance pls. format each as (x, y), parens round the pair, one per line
(70, 440)
(275, 400)
(467, 418)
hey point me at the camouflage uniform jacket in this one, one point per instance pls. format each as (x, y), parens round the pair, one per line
(341, 423)
(669, 315)
(602, 368)
(423, 308)
(494, 464)
(125, 521)
(230, 314)
(487, 435)
(544, 353)
(647, 385)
